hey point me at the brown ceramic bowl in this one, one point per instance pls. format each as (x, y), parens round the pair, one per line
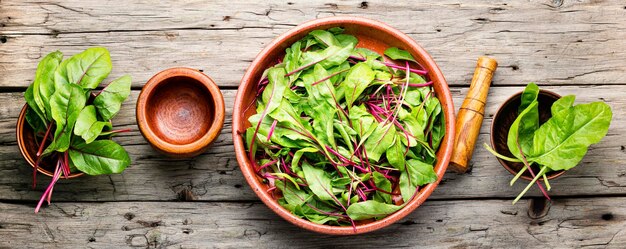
(505, 116)
(373, 35)
(28, 147)
(180, 111)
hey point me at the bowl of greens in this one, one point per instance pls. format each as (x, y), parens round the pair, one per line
(65, 128)
(343, 125)
(537, 135)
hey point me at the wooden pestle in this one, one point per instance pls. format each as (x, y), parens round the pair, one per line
(471, 114)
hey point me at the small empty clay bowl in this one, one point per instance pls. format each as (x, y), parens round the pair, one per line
(180, 111)
(505, 116)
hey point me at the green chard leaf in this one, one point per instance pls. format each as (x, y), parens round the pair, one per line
(379, 142)
(110, 99)
(417, 173)
(318, 181)
(384, 184)
(398, 54)
(358, 78)
(370, 209)
(87, 124)
(35, 121)
(88, 68)
(66, 104)
(101, 157)
(30, 100)
(563, 140)
(43, 86)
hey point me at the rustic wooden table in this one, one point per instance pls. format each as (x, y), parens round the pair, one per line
(570, 47)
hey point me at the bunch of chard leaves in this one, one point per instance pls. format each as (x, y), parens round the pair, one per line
(558, 144)
(341, 133)
(72, 126)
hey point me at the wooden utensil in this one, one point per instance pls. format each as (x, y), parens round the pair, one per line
(471, 114)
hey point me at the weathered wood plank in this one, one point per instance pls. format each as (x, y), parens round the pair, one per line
(557, 42)
(568, 223)
(215, 174)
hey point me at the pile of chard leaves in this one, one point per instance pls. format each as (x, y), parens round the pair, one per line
(558, 144)
(72, 126)
(341, 134)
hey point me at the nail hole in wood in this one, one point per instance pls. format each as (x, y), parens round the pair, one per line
(438, 30)
(538, 208)
(3, 39)
(364, 5)
(515, 67)
(607, 217)
(92, 239)
(238, 186)
(129, 216)
(622, 148)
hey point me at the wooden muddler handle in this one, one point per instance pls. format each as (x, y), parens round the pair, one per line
(470, 116)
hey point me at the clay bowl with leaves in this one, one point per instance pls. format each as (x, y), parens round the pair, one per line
(65, 129)
(502, 120)
(295, 144)
(537, 135)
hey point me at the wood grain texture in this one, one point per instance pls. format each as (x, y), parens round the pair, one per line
(567, 223)
(215, 176)
(550, 42)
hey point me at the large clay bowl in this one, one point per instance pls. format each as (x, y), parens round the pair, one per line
(180, 111)
(372, 35)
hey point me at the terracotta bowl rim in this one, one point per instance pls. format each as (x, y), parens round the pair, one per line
(21, 144)
(505, 164)
(198, 145)
(443, 154)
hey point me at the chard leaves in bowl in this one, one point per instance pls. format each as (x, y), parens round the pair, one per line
(558, 144)
(342, 134)
(71, 126)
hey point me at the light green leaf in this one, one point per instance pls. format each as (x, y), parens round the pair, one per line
(398, 54)
(370, 209)
(43, 86)
(89, 67)
(66, 104)
(380, 140)
(395, 154)
(87, 125)
(110, 99)
(358, 78)
(563, 140)
(319, 182)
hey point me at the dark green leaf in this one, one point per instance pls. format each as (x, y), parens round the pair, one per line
(101, 157)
